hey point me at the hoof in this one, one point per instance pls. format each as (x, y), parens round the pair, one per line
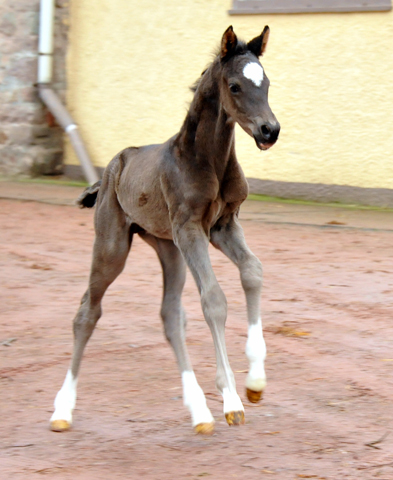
(253, 396)
(59, 425)
(204, 428)
(235, 418)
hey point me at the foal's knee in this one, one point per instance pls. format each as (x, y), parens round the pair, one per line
(251, 274)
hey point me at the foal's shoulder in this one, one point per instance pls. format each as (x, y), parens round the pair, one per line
(235, 186)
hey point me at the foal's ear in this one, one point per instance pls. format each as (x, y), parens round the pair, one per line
(228, 43)
(258, 45)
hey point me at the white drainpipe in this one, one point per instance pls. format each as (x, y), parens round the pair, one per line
(47, 94)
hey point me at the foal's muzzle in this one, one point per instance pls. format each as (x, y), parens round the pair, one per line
(266, 136)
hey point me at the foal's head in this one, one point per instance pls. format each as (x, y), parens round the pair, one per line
(244, 87)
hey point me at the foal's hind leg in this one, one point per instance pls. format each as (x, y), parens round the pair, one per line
(112, 244)
(229, 238)
(174, 319)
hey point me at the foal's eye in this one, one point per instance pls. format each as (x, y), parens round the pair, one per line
(234, 88)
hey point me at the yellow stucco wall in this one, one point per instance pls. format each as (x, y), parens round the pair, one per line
(130, 64)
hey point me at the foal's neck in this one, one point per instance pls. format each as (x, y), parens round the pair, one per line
(207, 136)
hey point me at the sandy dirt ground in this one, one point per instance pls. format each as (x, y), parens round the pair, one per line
(327, 312)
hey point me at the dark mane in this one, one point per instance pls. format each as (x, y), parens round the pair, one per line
(241, 49)
(195, 85)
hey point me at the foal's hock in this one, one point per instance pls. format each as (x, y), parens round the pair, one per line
(178, 197)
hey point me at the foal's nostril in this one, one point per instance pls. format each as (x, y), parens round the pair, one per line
(266, 132)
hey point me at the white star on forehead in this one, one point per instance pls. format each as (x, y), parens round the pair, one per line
(254, 72)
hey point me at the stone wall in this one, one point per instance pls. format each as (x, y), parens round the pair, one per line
(31, 142)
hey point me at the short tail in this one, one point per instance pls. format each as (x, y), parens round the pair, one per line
(89, 197)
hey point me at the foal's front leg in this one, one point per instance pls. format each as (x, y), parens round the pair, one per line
(193, 243)
(229, 238)
(174, 319)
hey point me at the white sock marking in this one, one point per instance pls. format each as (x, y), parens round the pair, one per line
(254, 72)
(65, 399)
(256, 354)
(232, 402)
(194, 399)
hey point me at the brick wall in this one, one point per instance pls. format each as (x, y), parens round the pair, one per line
(30, 141)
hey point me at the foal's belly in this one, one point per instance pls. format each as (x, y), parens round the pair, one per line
(147, 209)
(140, 196)
(153, 220)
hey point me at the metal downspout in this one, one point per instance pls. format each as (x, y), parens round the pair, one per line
(48, 95)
